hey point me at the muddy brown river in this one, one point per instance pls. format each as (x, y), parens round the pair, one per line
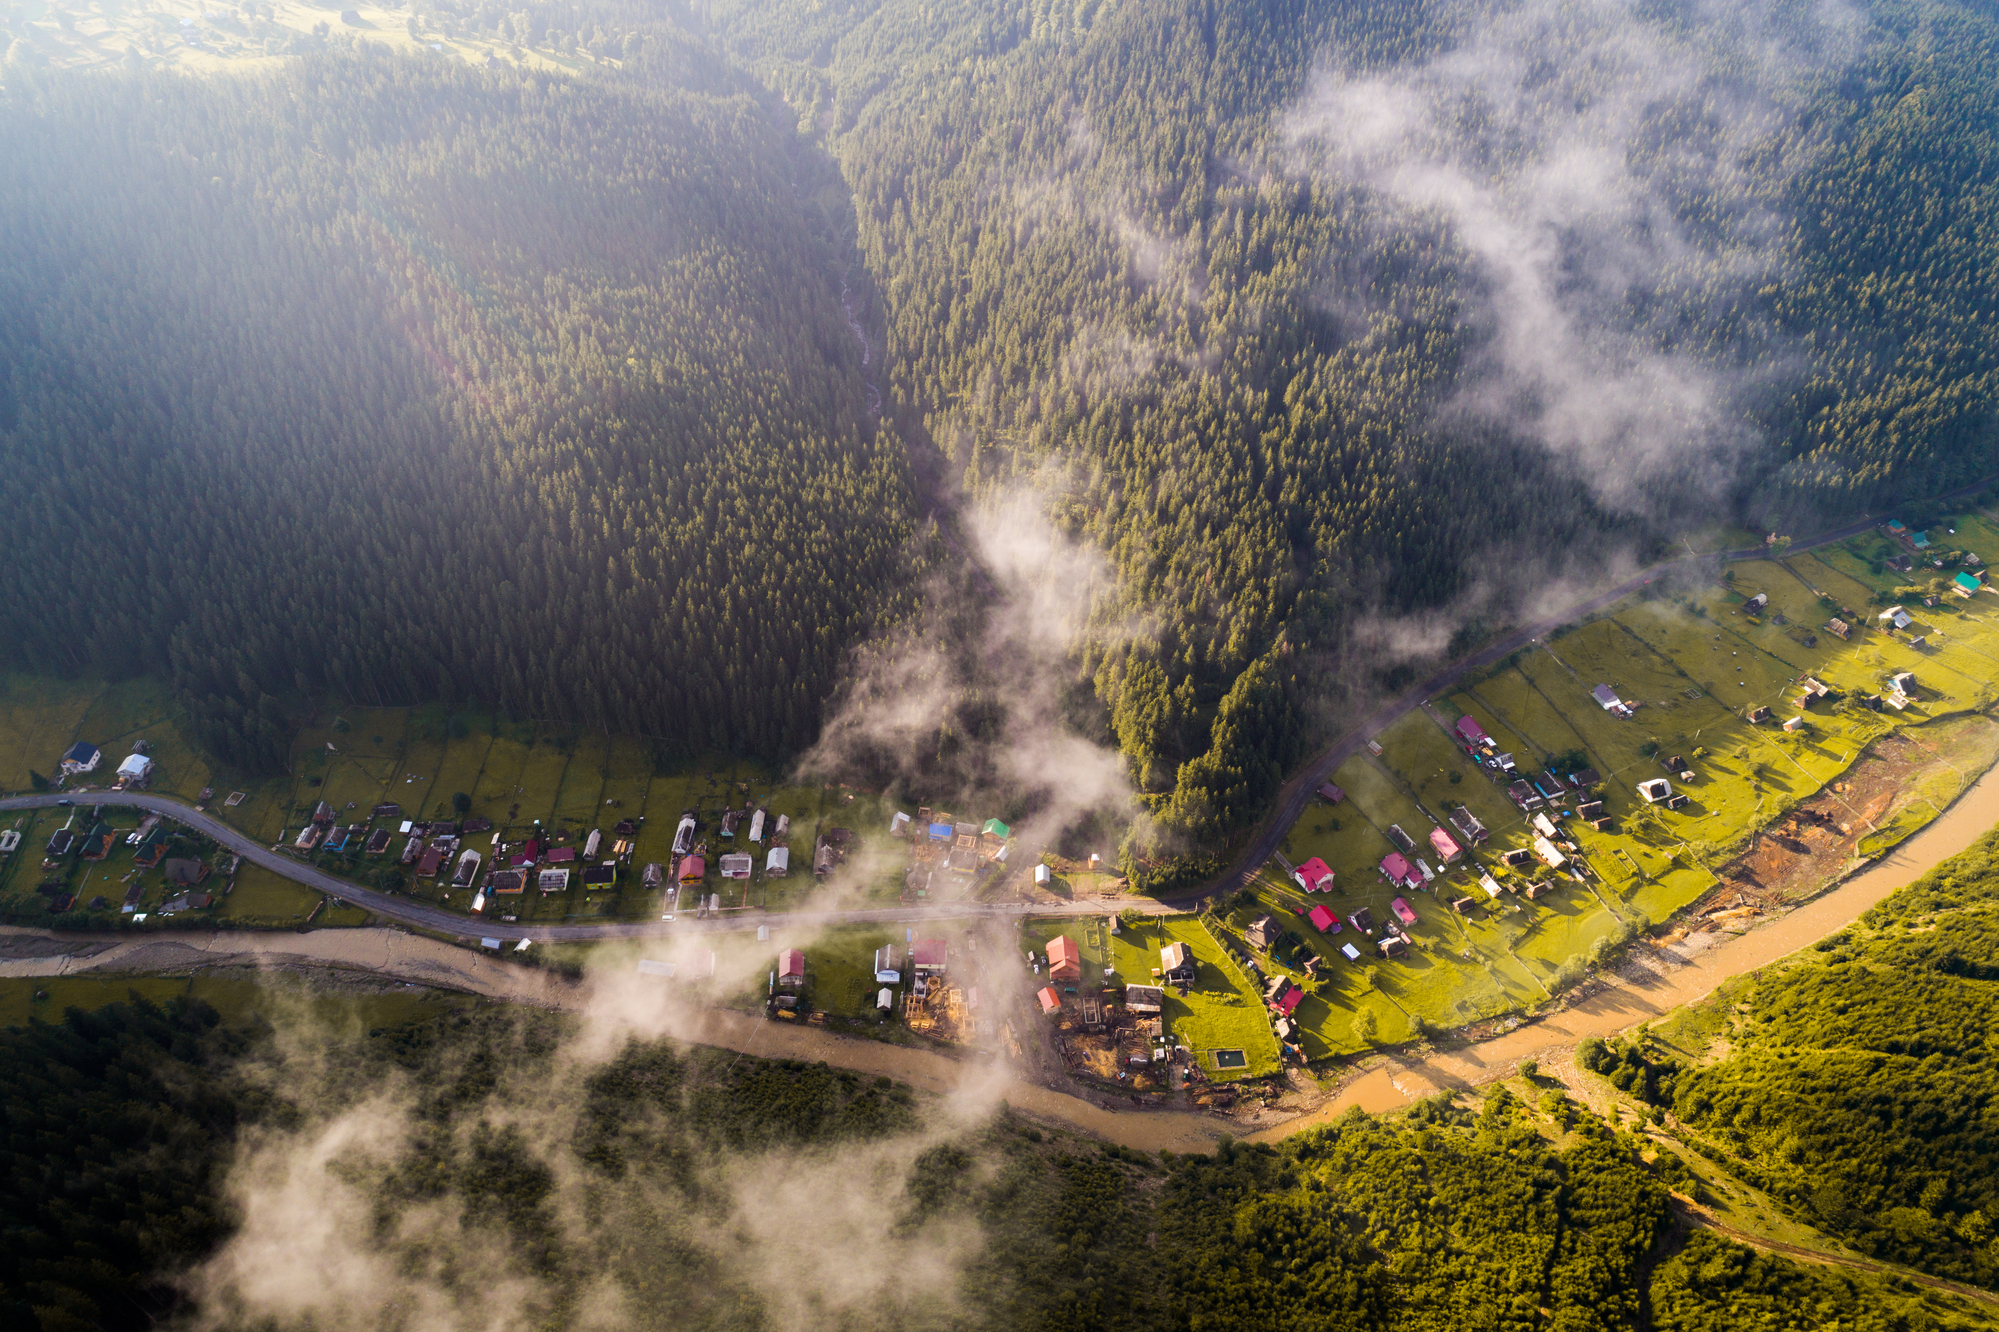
(615, 1004)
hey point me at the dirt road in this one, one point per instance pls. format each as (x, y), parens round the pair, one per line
(395, 955)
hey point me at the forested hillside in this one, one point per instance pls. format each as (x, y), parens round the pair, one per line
(1307, 311)
(511, 1170)
(409, 381)
(1308, 314)
(1859, 1086)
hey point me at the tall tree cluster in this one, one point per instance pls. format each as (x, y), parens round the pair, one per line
(412, 381)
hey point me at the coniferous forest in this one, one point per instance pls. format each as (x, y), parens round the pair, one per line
(399, 379)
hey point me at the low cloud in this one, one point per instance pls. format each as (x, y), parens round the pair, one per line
(464, 1200)
(976, 705)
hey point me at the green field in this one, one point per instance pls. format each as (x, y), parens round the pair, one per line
(1695, 661)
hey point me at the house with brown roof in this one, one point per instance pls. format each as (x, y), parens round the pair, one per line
(1065, 959)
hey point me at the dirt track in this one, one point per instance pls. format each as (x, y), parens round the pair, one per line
(395, 955)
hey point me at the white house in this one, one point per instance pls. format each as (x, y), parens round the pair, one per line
(778, 863)
(135, 769)
(81, 757)
(1656, 791)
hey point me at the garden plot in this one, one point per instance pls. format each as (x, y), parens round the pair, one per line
(501, 792)
(1352, 837)
(581, 795)
(1468, 702)
(1426, 758)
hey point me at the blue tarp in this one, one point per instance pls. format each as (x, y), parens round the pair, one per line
(940, 832)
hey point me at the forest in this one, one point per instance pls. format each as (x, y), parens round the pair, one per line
(520, 1169)
(1858, 1085)
(577, 423)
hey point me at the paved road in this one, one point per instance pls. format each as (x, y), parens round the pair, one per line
(1292, 799)
(1297, 793)
(392, 906)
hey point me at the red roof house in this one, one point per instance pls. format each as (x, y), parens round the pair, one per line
(929, 955)
(1288, 1002)
(562, 855)
(1314, 876)
(1324, 921)
(791, 968)
(1471, 732)
(1402, 911)
(692, 868)
(1065, 959)
(1399, 870)
(1051, 1002)
(1445, 845)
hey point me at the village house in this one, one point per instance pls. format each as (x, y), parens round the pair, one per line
(80, 757)
(378, 842)
(777, 863)
(1393, 945)
(929, 958)
(1324, 921)
(1965, 584)
(791, 968)
(1445, 846)
(1759, 715)
(1550, 854)
(1176, 963)
(1467, 823)
(1065, 960)
(1049, 999)
(1403, 911)
(552, 881)
(1895, 618)
(1655, 791)
(898, 824)
(1314, 876)
(1398, 871)
(468, 870)
(1903, 683)
(134, 771)
(1607, 699)
(1403, 841)
(692, 869)
(599, 878)
(888, 966)
(1470, 733)
(683, 836)
(1838, 628)
(1523, 794)
(738, 865)
(1584, 778)
(506, 881)
(1757, 602)
(1331, 794)
(185, 873)
(757, 826)
(653, 877)
(1363, 920)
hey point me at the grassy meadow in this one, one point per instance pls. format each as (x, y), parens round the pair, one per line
(1694, 661)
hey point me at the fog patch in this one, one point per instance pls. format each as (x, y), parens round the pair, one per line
(1594, 165)
(980, 705)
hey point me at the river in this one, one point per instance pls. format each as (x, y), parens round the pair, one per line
(421, 960)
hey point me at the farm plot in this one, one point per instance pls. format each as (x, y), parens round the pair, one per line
(1427, 759)
(581, 794)
(1221, 1012)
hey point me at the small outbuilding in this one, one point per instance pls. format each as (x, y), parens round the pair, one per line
(1049, 999)
(777, 863)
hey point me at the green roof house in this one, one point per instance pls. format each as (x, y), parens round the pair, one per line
(994, 828)
(1966, 584)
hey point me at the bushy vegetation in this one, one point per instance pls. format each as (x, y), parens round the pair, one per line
(1449, 1217)
(1859, 1087)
